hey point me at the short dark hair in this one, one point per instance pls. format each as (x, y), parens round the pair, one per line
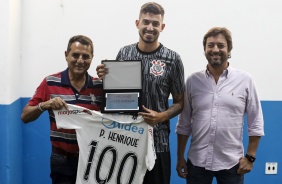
(84, 40)
(216, 31)
(152, 7)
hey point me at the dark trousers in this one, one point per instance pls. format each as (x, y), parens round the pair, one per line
(199, 175)
(63, 169)
(160, 174)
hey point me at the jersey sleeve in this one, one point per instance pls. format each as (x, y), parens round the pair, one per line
(69, 119)
(119, 55)
(75, 117)
(178, 85)
(151, 154)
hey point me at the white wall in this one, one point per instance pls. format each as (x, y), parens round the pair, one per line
(10, 30)
(255, 26)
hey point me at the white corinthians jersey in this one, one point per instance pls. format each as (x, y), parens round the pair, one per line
(113, 149)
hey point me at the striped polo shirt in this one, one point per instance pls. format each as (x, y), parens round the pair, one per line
(58, 85)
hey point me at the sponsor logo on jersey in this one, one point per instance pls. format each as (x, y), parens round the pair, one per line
(127, 127)
(68, 112)
(157, 68)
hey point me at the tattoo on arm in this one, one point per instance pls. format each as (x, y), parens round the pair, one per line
(177, 106)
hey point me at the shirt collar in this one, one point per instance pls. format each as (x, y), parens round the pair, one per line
(226, 72)
(66, 79)
(148, 53)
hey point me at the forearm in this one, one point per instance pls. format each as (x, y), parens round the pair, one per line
(174, 110)
(177, 106)
(181, 145)
(253, 145)
(30, 113)
(153, 117)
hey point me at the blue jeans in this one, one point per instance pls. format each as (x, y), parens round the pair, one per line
(63, 169)
(199, 175)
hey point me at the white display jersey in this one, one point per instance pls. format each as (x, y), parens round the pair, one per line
(113, 148)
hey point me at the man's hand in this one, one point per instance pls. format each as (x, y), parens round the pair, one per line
(152, 117)
(181, 168)
(54, 104)
(245, 166)
(31, 113)
(101, 71)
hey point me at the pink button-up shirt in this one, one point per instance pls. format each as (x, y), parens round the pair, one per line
(213, 115)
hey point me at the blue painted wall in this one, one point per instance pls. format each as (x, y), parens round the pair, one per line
(36, 150)
(11, 144)
(25, 149)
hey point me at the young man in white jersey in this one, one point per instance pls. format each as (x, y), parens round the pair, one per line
(162, 75)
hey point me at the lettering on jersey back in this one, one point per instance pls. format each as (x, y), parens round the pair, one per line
(128, 127)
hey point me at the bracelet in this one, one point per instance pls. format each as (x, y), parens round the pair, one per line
(250, 158)
(39, 107)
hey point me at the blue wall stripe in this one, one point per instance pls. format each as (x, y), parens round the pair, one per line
(36, 150)
(11, 144)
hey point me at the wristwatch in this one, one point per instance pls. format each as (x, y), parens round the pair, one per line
(250, 158)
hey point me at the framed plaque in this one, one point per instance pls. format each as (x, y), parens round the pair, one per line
(122, 87)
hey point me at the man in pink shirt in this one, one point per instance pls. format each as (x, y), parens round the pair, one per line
(216, 101)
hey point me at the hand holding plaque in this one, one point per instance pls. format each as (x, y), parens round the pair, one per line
(122, 87)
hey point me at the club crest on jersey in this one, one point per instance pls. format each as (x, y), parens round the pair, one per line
(157, 68)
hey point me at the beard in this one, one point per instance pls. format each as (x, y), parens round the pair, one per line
(148, 38)
(221, 57)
